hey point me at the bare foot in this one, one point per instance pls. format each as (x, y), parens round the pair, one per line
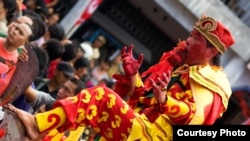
(27, 119)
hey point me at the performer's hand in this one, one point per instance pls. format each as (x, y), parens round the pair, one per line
(23, 54)
(160, 87)
(129, 63)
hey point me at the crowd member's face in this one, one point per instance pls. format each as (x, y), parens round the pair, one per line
(104, 66)
(31, 4)
(82, 71)
(19, 34)
(98, 43)
(198, 52)
(61, 77)
(80, 53)
(67, 90)
(13, 26)
(53, 19)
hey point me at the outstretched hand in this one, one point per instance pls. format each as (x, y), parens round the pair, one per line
(23, 54)
(129, 63)
(160, 87)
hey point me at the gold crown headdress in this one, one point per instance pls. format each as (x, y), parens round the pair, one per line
(215, 33)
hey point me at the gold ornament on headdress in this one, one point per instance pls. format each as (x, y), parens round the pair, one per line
(206, 26)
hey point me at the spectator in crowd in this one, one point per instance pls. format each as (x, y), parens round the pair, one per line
(64, 71)
(7, 12)
(55, 31)
(70, 51)
(21, 31)
(100, 71)
(81, 66)
(41, 101)
(55, 50)
(37, 98)
(37, 6)
(116, 64)
(92, 50)
(53, 18)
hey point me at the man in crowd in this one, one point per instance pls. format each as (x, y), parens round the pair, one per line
(21, 31)
(41, 101)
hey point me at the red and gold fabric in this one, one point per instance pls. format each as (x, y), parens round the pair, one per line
(99, 107)
(211, 92)
(200, 97)
(168, 61)
(180, 105)
(105, 111)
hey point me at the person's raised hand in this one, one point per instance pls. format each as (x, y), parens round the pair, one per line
(129, 63)
(23, 54)
(160, 87)
(19, 5)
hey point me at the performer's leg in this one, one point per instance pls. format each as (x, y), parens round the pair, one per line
(99, 107)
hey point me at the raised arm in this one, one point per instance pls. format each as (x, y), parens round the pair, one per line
(30, 94)
(37, 98)
(131, 67)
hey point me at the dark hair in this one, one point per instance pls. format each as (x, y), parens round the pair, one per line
(43, 60)
(70, 52)
(41, 9)
(56, 31)
(54, 49)
(81, 62)
(216, 59)
(66, 68)
(38, 27)
(107, 82)
(79, 83)
(11, 7)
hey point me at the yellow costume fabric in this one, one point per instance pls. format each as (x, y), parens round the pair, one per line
(144, 130)
(206, 80)
(54, 119)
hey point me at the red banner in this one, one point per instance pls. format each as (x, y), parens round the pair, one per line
(88, 11)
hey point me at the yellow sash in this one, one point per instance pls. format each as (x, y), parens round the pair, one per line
(205, 80)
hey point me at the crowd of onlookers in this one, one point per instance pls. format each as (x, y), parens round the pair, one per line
(60, 58)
